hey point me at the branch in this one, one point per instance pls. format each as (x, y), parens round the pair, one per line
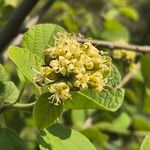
(33, 21)
(14, 23)
(41, 13)
(126, 79)
(129, 76)
(111, 45)
(88, 122)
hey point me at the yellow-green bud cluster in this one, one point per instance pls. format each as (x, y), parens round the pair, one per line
(122, 53)
(72, 65)
(129, 55)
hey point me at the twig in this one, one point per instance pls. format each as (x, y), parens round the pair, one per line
(89, 119)
(41, 13)
(128, 77)
(22, 106)
(88, 122)
(111, 45)
(18, 106)
(14, 23)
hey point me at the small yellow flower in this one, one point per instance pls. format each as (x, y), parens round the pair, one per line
(90, 50)
(96, 81)
(51, 52)
(79, 67)
(87, 61)
(105, 66)
(60, 92)
(70, 68)
(60, 65)
(82, 81)
(44, 75)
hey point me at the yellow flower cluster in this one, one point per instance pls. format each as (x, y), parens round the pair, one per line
(72, 65)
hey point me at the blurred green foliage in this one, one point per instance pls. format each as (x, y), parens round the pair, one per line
(102, 19)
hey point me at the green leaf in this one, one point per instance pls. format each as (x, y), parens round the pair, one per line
(10, 141)
(146, 103)
(146, 143)
(26, 61)
(114, 31)
(8, 92)
(122, 122)
(12, 3)
(115, 77)
(112, 13)
(39, 37)
(109, 100)
(78, 117)
(129, 12)
(141, 123)
(109, 127)
(136, 91)
(46, 113)
(146, 69)
(60, 137)
(21, 76)
(3, 74)
(94, 134)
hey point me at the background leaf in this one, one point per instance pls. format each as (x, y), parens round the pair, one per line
(13, 3)
(8, 92)
(58, 137)
(129, 12)
(94, 134)
(26, 61)
(146, 103)
(10, 141)
(3, 74)
(122, 122)
(141, 123)
(39, 37)
(146, 69)
(46, 113)
(114, 31)
(146, 143)
(78, 117)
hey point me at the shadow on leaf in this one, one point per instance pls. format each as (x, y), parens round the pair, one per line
(56, 130)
